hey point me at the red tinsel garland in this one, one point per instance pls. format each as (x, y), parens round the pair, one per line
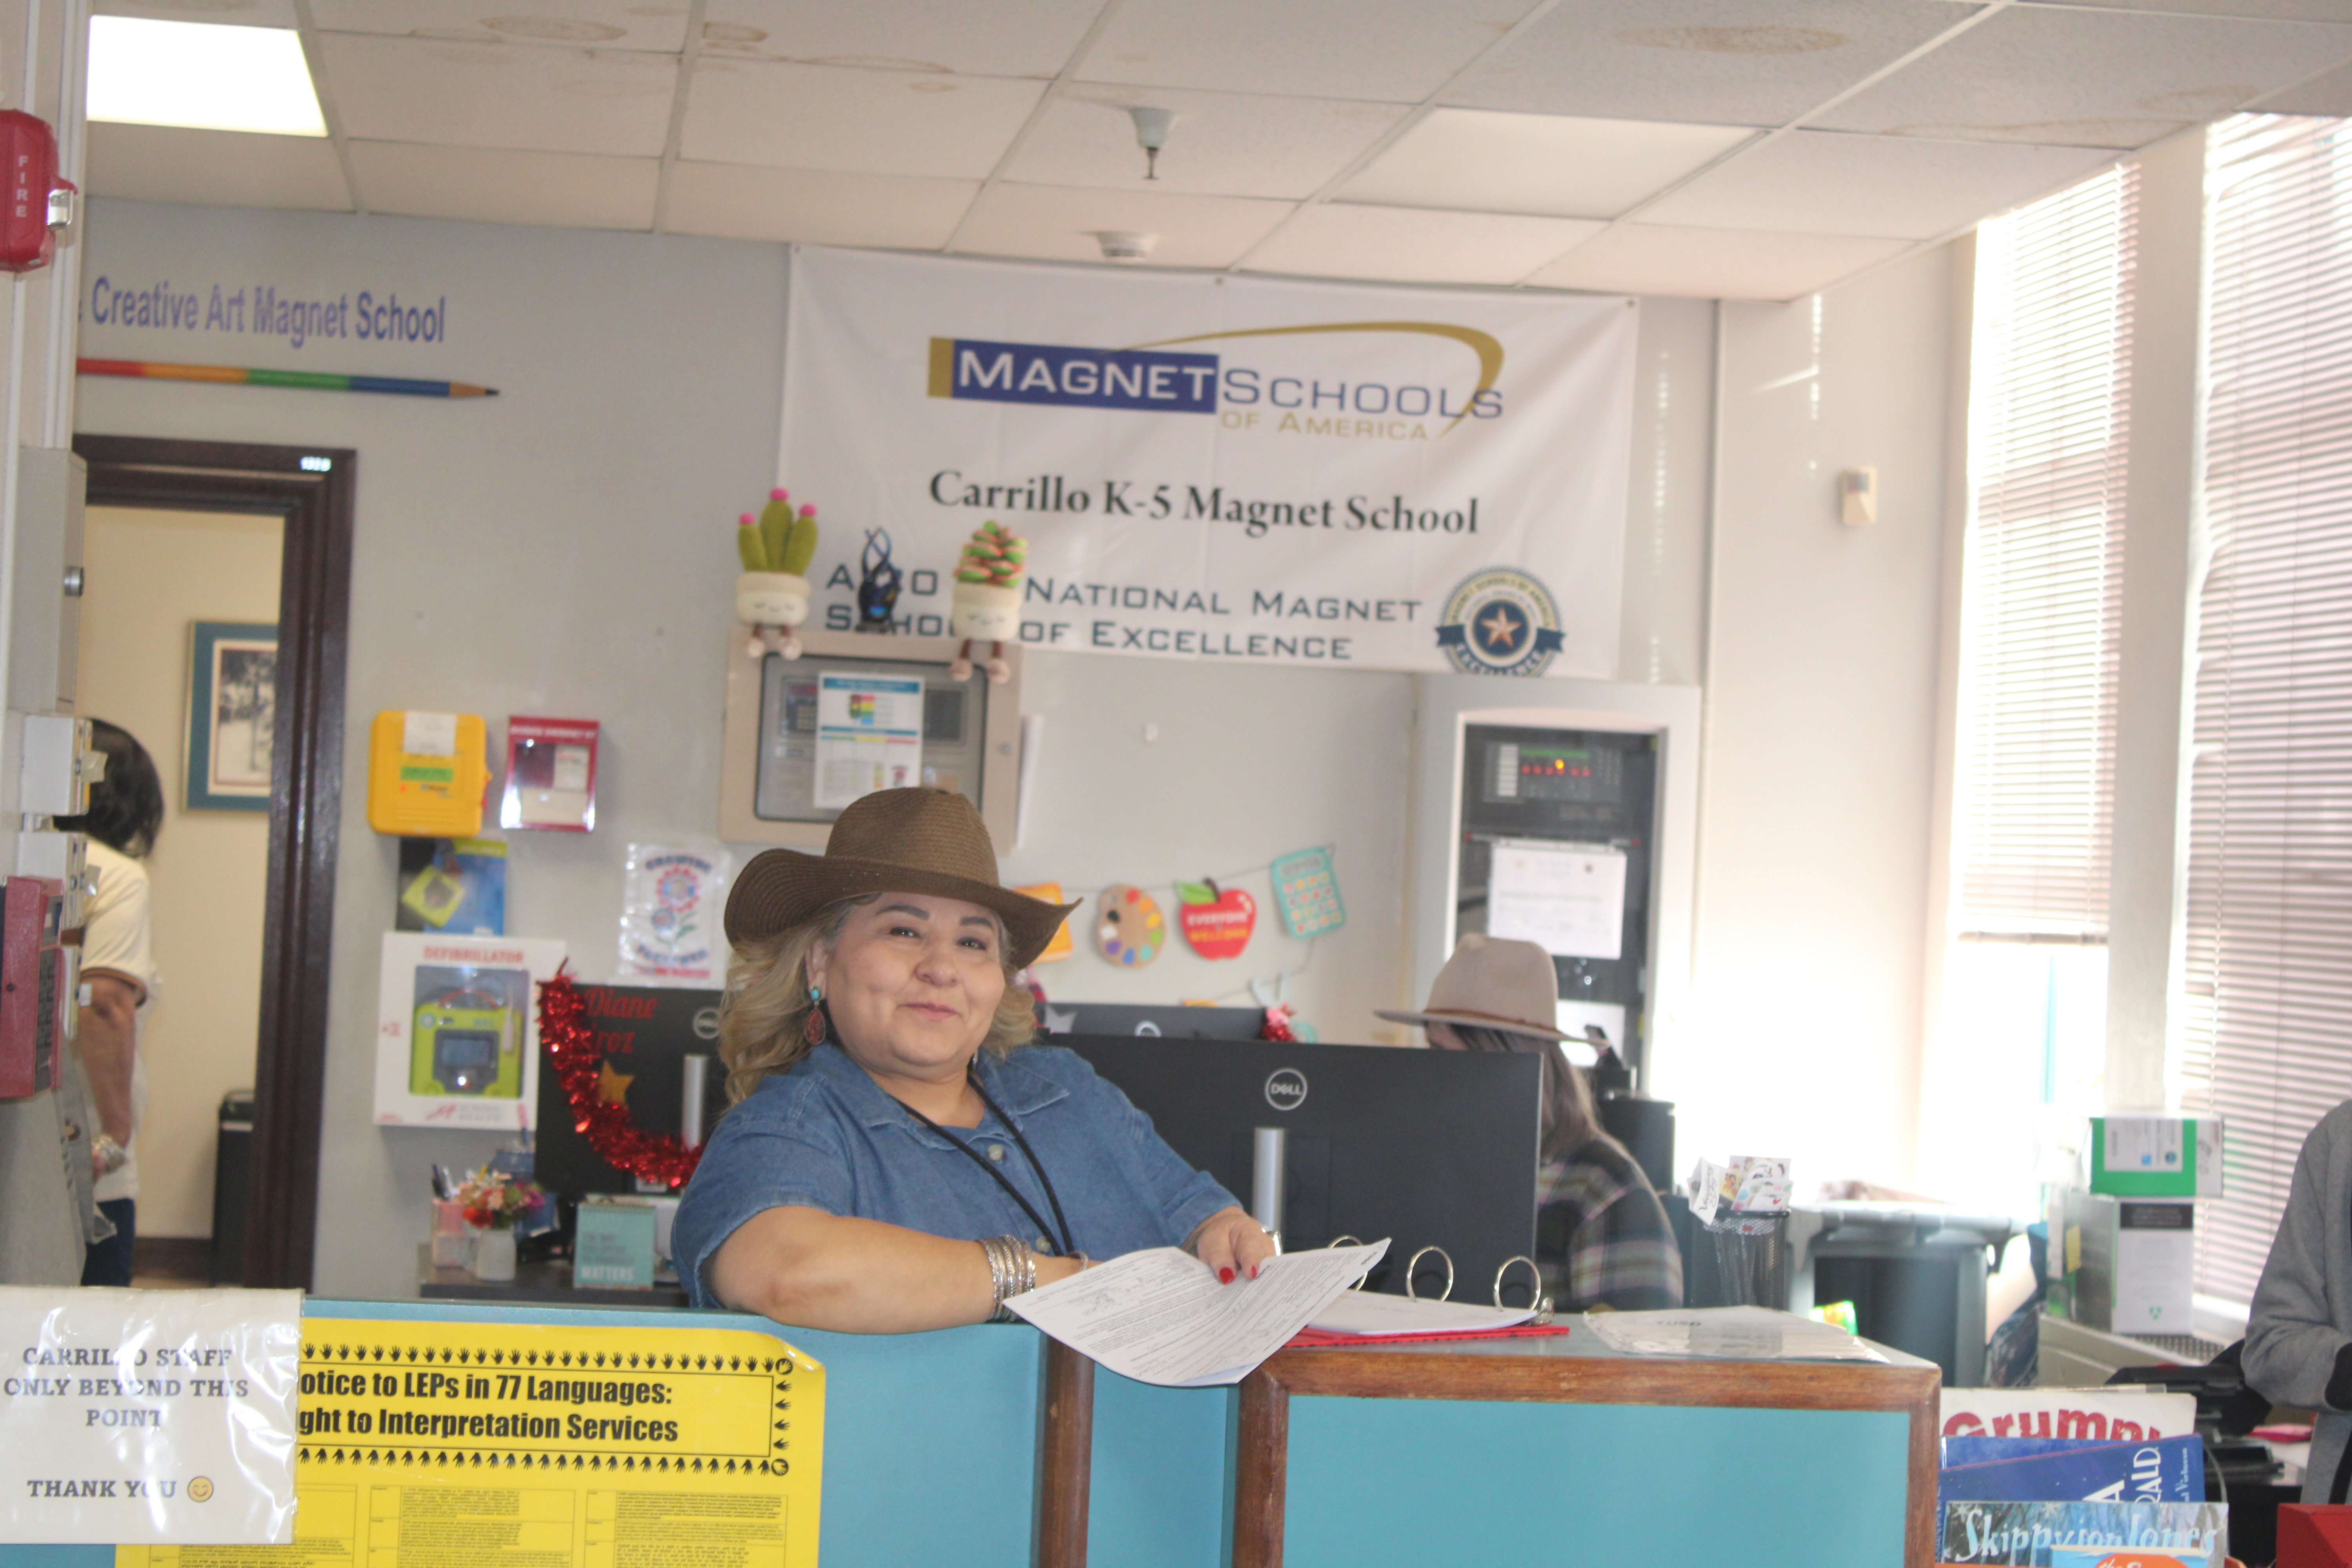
(572, 1054)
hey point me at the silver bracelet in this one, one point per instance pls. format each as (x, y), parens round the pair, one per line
(1011, 1271)
(1000, 1276)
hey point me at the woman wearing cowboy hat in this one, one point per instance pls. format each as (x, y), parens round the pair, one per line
(1601, 1236)
(893, 1159)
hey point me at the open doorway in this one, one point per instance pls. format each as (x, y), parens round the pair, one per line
(179, 628)
(173, 526)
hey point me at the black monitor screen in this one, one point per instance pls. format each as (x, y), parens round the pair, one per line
(1423, 1147)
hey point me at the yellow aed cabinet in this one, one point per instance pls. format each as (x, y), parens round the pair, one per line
(428, 774)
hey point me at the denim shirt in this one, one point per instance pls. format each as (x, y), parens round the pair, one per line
(825, 1136)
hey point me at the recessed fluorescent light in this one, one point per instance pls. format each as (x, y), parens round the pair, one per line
(201, 74)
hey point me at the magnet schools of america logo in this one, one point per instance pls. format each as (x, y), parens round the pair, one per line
(1499, 621)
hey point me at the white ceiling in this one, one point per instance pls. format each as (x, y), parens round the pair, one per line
(1746, 149)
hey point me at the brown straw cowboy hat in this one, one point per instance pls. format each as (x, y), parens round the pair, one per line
(892, 841)
(1493, 984)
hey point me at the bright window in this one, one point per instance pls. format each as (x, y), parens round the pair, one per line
(2049, 426)
(2267, 1032)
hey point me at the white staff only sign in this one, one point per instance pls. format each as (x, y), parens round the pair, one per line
(1217, 467)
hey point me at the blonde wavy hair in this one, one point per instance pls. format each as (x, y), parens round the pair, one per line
(763, 1017)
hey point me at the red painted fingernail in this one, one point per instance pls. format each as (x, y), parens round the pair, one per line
(1224, 1276)
(1252, 1270)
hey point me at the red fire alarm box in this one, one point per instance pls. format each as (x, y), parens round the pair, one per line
(34, 984)
(38, 204)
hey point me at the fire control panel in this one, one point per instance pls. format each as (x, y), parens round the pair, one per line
(1557, 835)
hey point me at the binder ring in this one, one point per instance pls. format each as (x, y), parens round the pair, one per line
(1534, 1288)
(1350, 1241)
(1411, 1267)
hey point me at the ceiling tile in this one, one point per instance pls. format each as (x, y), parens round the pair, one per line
(1475, 160)
(1224, 143)
(1033, 39)
(1712, 263)
(564, 189)
(235, 13)
(1715, 62)
(2066, 76)
(591, 23)
(1892, 187)
(1410, 245)
(1059, 223)
(857, 121)
(2329, 93)
(2289, 10)
(491, 95)
(214, 168)
(1399, 51)
(816, 207)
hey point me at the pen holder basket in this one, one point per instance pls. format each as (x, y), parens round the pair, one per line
(1752, 1259)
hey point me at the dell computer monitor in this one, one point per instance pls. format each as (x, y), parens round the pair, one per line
(1422, 1147)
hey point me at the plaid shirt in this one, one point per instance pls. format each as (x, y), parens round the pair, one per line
(1601, 1236)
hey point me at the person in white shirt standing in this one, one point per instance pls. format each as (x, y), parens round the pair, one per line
(118, 967)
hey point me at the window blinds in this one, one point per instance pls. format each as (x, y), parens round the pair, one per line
(2041, 602)
(2267, 1034)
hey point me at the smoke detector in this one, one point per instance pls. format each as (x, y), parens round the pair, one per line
(1151, 126)
(1124, 244)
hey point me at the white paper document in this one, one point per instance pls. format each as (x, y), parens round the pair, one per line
(1569, 898)
(1728, 1333)
(149, 1418)
(1161, 1316)
(869, 735)
(1372, 1313)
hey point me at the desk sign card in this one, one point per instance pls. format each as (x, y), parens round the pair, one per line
(159, 1417)
(558, 1448)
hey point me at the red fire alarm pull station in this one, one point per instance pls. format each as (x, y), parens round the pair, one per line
(33, 982)
(40, 205)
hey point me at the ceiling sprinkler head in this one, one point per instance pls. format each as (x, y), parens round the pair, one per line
(1125, 244)
(1151, 134)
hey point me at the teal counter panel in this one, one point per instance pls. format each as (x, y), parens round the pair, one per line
(1160, 1477)
(930, 1440)
(1592, 1486)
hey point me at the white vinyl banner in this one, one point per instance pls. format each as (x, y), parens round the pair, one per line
(1215, 466)
(148, 1417)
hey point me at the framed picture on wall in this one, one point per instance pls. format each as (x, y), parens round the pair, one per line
(232, 715)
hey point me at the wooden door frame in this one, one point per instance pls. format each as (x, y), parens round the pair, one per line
(312, 489)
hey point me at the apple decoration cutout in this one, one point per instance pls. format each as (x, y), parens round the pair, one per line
(1130, 931)
(1216, 920)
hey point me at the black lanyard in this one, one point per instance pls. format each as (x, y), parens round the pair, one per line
(1069, 1247)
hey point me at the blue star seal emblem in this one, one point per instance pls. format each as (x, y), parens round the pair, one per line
(1499, 621)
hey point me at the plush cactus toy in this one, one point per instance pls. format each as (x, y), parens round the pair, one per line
(776, 540)
(986, 599)
(772, 596)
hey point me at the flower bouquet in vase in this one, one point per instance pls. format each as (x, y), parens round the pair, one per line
(492, 1202)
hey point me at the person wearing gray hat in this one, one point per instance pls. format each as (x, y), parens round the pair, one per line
(1601, 1237)
(899, 1156)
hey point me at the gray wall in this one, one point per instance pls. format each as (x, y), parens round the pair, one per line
(563, 549)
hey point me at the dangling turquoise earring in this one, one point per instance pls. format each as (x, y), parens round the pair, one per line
(814, 1029)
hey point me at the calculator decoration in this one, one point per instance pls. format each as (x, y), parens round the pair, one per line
(772, 597)
(986, 599)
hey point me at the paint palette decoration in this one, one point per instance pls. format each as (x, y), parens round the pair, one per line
(1130, 931)
(1216, 920)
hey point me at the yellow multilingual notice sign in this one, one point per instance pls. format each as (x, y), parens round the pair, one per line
(523, 1445)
